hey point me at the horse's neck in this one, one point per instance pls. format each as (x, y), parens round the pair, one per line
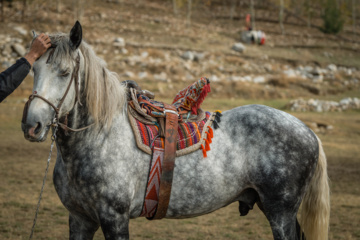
(94, 137)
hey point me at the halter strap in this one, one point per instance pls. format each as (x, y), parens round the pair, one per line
(74, 77)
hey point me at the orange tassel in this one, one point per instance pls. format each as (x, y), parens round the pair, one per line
(211, 132)
(208, 137)
(207, 145)
(204, 151)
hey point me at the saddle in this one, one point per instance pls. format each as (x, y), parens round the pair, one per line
(158, 128)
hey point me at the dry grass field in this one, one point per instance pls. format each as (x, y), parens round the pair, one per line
(145, 23)
(23, 165)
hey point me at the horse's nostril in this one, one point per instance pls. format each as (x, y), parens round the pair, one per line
(37, 128)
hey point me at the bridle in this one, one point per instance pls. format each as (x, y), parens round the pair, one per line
(56, 121)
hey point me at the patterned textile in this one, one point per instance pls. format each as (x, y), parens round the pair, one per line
(190, 98)
(191, 135)
(152, 190)
(150, 106)
(187, 100)
(194, 132)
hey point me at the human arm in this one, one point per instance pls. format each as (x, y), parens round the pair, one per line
(12, 77)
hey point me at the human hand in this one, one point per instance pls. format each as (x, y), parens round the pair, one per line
(39, 46)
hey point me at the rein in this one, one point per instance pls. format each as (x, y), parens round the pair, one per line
(53, 138)
(56, 121)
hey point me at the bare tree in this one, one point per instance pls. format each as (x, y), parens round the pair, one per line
(2, 10)
(308, 12)
(23, 10)
(58, 6)
(188, 17)
(232, 9)
(281, 16)
(78, 6)
(353, 15)
(175, 7)
(252, 13)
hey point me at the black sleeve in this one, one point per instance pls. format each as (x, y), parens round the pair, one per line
(12, 77)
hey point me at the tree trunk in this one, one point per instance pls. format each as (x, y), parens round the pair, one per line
(78, 6)
(308, 12)
(23, 11)
(354, 15)
(2, 10)
(252, 12)
(232, 9)
(281, 16)
(58, 10)
(188, 18)
(175, 7)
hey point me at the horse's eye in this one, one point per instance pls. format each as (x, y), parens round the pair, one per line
(64, 73)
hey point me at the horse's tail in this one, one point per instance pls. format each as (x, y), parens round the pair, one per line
(315, 211)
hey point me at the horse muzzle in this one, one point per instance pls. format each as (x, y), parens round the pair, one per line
(35, 132)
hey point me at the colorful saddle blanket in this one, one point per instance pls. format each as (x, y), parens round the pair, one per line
(194, 131)
(187, 103)
(192, 136)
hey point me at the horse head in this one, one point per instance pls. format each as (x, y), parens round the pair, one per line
(56, 84)
(71, 81)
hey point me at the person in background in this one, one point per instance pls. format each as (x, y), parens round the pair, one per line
(12, 77)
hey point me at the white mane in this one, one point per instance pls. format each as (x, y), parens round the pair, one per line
(105, 96)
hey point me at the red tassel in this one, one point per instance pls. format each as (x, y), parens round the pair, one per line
(208, 137)
(207, 145)
(204, 151)
(211, 132)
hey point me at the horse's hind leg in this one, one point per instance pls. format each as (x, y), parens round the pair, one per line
(81, 229)
(284, 225)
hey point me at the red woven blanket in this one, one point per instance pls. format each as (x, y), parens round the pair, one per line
(192, 136)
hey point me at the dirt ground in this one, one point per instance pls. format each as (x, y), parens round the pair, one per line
(149, 22)
(23, 165)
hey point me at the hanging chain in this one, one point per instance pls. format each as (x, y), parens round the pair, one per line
(53, 138)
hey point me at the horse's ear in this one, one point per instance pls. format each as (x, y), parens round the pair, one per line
(34, 34)
(76, 35)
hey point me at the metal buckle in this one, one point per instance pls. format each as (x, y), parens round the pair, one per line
(171, 111)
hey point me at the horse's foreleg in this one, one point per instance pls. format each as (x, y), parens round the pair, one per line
(81, 229)
(114, 225)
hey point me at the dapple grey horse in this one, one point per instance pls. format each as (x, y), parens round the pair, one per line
(259, 154)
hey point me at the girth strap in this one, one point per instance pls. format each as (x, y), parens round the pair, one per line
(171, 127)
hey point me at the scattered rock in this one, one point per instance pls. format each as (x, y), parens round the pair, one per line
(161, 77)
(19, 49)
(21, 30)
(314, 105)
(239, 47)
(128, 74)
(124, 51)
(291, 73)
(119, 42)
(188, 55)
(144, 54)
(332, 67)
(259, 79)
(320, 127)
(199, 56)
(142, 75)
(214, 78)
